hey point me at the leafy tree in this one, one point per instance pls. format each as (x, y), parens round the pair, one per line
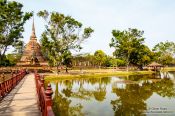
(10, 59)
(142, 56)
(12, 20)
(165, 47)
(67, 56)
(126, 43)
(165, 59)
(4, 61)
(165, 52)
(110, 61)
(87, 59)
(100, 57)
(173, 62)
(19, 47)
(62, 34)
(91, 59)
(113, 62)
(13, 58)
(120, 62)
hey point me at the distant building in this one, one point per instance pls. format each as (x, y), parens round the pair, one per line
(32, 55)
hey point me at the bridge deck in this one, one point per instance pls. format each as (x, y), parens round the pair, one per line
(22, 100)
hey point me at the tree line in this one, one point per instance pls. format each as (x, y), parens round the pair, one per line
(63, 34)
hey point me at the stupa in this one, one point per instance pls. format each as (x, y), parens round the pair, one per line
(32, 55)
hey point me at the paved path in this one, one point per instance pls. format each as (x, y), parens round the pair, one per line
(22, 100)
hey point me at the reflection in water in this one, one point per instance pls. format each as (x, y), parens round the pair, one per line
(131, 100)
(110, 95)
(62, 104)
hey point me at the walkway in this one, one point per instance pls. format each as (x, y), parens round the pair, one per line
(22, 100)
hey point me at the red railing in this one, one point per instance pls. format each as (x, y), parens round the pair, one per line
(8, 85)
(44, 96)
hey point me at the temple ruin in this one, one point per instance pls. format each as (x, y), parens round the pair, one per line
(32, 55)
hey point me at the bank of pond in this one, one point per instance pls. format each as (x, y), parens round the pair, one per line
(114, 95)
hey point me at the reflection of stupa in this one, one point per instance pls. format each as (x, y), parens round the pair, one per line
(32, 53)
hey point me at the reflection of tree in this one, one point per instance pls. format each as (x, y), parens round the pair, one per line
(172, 73)
(68, 90)
(165, 74)
(104, 80)
(139, 77)
(131, 100)
(164, 88)
(61, 105)
(100, 92)
(82, 93)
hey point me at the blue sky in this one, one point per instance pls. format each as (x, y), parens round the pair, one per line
(155, 17)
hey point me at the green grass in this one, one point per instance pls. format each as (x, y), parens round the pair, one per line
(90, 75)
(168, 69)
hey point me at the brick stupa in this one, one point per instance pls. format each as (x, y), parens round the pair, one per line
(32, 55)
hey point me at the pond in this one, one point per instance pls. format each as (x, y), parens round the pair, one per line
(115, 95)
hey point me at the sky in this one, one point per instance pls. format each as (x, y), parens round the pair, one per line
(155, 17)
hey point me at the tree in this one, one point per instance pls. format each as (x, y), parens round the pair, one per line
(86, 59)
(113, 62)
(19, 47)
(13, 58)
(142, 56)
(110, 62)
(90, 59)
(12, 20)
(126, 43)
(165, 52)
(62, 34)
(100, 57)
(67, 56)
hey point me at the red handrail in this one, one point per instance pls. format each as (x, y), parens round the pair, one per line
(44, 96)
(8, 85)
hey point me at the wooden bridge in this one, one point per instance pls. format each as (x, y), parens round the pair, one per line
(24, 95)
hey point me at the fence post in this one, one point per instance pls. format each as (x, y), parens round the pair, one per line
(48, 94)
(44, 96)
(3, 77)
(42, 80)
(37, 76)
(3, 85)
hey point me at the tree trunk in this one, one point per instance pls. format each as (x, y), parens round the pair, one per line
(127, 63)
(127, 67)
(100, 65)
(141, 67)
(58, 70)
(5, 49)
(66, 70)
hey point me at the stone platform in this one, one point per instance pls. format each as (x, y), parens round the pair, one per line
(22, 100)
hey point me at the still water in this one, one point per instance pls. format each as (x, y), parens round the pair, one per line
(115, 96)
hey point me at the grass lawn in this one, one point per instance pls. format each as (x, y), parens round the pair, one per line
(94, 73)
(168, 69)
